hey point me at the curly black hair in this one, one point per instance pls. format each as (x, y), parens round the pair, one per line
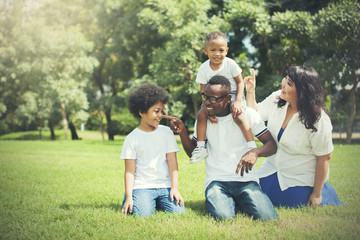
(310, 95)
(145, 96)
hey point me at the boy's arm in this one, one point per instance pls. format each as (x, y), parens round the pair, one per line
(202, 87)
(236, 107)
(174, 175)
(129, 185)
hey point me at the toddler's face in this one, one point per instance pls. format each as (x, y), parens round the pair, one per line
(216, 50)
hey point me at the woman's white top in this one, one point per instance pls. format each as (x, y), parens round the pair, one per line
(149, 150)
(295, 160)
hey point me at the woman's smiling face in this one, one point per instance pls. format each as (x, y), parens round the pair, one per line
(288, 91)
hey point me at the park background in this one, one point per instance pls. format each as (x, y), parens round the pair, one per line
(66, 70)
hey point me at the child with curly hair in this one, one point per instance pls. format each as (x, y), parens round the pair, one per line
(149, 151)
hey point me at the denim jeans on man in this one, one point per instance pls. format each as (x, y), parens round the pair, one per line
(146, 201)
(223, 197)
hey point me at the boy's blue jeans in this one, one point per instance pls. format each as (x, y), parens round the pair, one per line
(223, 197)
(146, 201)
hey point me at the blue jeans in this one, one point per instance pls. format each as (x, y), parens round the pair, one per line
(146, 201)
(223, 197)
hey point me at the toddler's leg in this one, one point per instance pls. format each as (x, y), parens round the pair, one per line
(200, 151)
(244, 125)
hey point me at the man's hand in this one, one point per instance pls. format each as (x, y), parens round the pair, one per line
(175, 124)
(247, 162)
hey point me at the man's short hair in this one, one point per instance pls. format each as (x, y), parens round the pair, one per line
(221, 80)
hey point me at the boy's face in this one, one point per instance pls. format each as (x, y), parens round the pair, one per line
(216, 50)
(151, 119)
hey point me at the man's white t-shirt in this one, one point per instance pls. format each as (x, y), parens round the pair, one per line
(295, 159)
(149, 150)
(229, 69)
(226, 145)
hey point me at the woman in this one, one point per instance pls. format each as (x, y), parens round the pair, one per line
(296, 175)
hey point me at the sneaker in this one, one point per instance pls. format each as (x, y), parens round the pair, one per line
(198, 154)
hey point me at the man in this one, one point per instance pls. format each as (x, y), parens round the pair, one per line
(229, 155)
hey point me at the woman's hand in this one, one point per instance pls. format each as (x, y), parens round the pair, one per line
(250, 82)
(128, 206)
(314, 199)
(175, 195)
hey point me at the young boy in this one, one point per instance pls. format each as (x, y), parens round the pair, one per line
(149, 151)
(218, 64)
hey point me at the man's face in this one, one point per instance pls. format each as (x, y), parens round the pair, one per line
(220, 107)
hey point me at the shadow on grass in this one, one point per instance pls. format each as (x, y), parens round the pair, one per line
(112, 206)
(196, 206)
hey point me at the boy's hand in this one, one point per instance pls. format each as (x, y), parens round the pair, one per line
(175, 194)
(236, 108)
(128, 206)
(176, 125)
(250, 82)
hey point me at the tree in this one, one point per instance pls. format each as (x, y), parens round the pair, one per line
(337, 33)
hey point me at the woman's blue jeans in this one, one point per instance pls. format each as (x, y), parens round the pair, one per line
(223, 197)
(146, 201)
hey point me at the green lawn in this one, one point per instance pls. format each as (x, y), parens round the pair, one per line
(74, 189)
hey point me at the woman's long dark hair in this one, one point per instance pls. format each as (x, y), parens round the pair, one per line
(310, 95)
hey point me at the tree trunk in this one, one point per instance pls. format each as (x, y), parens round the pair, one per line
(40, 130)
(74, 135)
(194, 101)
(353, 108)
(65, 122)
(110, 128)
(101, 123)
(52, 132)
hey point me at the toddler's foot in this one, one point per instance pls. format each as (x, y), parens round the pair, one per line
(198, 154)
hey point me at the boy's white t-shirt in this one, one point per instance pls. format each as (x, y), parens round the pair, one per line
(226, 145)
(229, 69)
(149, 150)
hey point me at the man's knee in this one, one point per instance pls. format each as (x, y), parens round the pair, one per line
(218, 204)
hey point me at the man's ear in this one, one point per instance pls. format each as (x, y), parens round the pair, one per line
(141, 114)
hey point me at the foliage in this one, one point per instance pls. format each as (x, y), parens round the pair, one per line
(53, 52)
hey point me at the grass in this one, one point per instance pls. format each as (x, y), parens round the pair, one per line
(74, 190)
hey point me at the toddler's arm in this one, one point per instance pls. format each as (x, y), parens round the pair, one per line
(129, 184)
(236, 107)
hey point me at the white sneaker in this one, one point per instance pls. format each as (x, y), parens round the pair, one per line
(198, 154)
